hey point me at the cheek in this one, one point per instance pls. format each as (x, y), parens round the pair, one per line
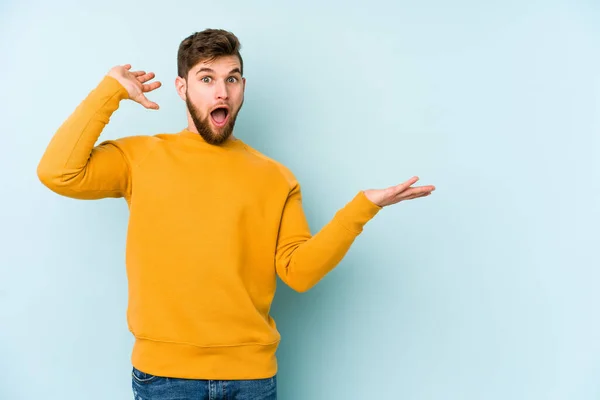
(238, 97)
(199, 101)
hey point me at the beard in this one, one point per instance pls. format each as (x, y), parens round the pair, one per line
(204, 128)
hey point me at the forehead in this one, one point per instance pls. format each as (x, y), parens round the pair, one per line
(221, 65)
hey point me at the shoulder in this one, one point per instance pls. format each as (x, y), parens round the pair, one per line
(134, 147)
(278, 166)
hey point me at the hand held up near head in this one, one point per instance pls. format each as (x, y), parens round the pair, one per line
(136, 84)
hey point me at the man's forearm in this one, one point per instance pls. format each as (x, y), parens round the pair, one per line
(303, 260)
(69, 150)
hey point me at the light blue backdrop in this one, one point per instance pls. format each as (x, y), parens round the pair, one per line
(488, 289)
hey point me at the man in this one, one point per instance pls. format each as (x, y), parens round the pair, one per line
(212, 223)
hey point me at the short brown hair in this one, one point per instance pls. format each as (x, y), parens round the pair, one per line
(206, 46)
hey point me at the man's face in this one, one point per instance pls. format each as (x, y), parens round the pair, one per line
(214, 94)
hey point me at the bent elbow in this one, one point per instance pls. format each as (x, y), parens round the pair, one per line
(54, 179)
(301, 286)
(49, 177)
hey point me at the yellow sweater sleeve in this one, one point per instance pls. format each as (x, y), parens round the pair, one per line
(72, 166)
(301, 259)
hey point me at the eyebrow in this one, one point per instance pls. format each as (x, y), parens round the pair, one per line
(213, 71)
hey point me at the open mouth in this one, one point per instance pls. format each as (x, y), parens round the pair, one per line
(219, 116)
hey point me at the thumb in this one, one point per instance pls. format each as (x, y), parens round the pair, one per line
(143, 100)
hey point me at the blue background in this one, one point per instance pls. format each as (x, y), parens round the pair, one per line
(487, 289)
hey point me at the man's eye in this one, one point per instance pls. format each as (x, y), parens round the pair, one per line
(232, 79)
(206, 79)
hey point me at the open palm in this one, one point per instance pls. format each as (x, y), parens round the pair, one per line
(398, 193)
(135, 84)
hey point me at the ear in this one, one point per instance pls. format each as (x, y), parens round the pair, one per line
(243, 84)
(180, 86)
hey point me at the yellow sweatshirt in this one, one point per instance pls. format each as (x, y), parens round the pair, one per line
(210, 228)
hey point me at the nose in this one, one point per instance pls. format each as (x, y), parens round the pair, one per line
(221, 91)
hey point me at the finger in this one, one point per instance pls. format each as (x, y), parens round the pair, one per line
(138, 73)
(411, 181)
(405, 185)
(420, 196)
(145, 77)
(416, 190)
(423, 189)
(143, 100)
(151, 86)
(415, 196)
(127, 66)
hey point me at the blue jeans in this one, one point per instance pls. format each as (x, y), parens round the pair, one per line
(151, 387)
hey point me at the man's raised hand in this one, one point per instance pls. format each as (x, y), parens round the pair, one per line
(136, 84)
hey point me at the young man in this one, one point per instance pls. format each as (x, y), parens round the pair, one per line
(212, 223)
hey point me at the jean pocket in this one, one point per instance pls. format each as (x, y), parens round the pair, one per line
(262, 388)
(142, 377)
